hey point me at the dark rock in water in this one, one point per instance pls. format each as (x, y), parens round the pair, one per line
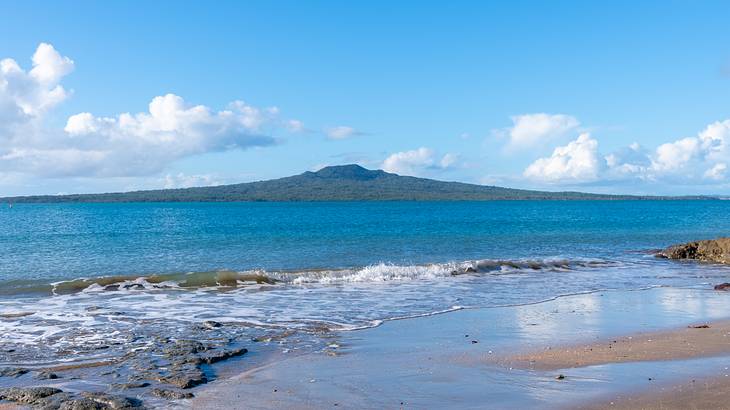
(699, 327)
(216, 356)
(560, 377)
(714, 250)
(184, 358)
(109, 288)
(80, 404)
(113, 402)
(13, 372)
(55, 399)
(184, 377)
(130, 385)
(171, 394)
(27, 395)
(723, 286)
(184, 347)
(134, 286)
(46, 375)
(211, 324)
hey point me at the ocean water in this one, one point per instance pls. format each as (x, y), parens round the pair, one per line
(82, 282)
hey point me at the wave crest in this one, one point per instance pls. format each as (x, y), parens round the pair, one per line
(227, 279)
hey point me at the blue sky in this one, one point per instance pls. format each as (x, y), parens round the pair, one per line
(614, 97)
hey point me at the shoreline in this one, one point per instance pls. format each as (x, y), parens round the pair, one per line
(615, 348)
(693, 341)
(460, 359)
(703, 393)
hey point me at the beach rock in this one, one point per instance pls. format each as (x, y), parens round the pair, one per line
(130, 385)
(723, 286)
(184, 348)
(184, 377)
(54, 402)
(713, 250)
(46, 375)
(134, 286)
(210, 324)
(77, 404)
(13, 372)
(216, 356)
(27, 395)
(113, 402)
(171, 394)
(49, 398)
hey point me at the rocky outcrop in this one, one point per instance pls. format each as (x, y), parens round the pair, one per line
(714, 250)
(171, 394)
(51, 398)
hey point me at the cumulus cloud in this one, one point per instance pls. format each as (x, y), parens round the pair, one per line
(578, 161)
(717, 172)
(182, 180)
(121, 145)
(687, 155)
(529, 130)
(416, 162)
(341, 132)
(170, 130)
(701, 159)
(26, 95)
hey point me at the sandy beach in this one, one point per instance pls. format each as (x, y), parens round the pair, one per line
(696, 340)
(617, 349)
(696, 394)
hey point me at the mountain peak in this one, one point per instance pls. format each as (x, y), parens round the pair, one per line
(350, 171)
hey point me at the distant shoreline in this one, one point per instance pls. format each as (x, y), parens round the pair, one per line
(338, 184)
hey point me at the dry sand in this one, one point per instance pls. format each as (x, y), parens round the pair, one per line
(686, 343)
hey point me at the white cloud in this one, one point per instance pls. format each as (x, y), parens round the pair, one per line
(26, 95)
(295, 126)
(147, 142)
(448, 160)
(181, 180)
(529, 130)
(717, 172)
(675, 155)
(629, 162)
(341, 132)
(49, 66)
(416, 162)
(691, 160)
(578, 161)
(121, 145)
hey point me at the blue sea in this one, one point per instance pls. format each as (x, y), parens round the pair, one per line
(78, 277)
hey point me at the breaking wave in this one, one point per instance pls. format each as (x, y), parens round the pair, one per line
(227, 279)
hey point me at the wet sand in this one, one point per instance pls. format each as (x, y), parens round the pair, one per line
(697, 340)
(693, 341)
(466, 359)
(702, 394)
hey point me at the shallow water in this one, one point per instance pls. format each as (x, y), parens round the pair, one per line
(84, 282)
(433, 362)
